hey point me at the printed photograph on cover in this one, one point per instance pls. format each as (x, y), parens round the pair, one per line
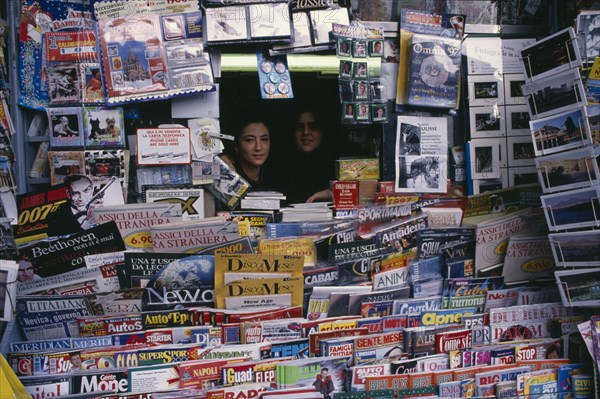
(270, 20)
(568, 170)
(421, 173)
(517, 120)
(345, 69)
(580, 287)
(551, 55)
(487, 121)
(230, 188)
(361, 90)
(226, 24)
(576, 248)
(434, 71)
(513, 89)
(520, 151)
(66, 127)
(485, 90)
(104, 127)
(348, 110)
(572, 209)
(560, 132)
(522, 175)
(132, 59)
(360, 70)
(64, 86)
(63, 164)
(91, 81)
(379, 112)
(485, 159)
(554, 94)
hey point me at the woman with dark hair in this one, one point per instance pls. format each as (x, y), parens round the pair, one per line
(252, 145)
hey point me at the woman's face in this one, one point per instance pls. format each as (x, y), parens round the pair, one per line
(254, 144)
(307, 133)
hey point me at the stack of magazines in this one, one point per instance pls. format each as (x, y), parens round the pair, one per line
(316, 211)
(269, 200)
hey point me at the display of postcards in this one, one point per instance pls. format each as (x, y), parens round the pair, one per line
(553, 54)
(360, 70)
(345, 69)
(554, 94)
(225, 24)
(517, 120)
(343, 46)
(560, 132)
(66, 127)
(572, 209)
(270, 20)
(576, 249)
(485, 159)
(104, 127)
(63, 164)
(362, 112)
(274, 76)
(485, 90)
(184, 52)
(64, 85)
(91, 84)
(568, 170)
(361, 90)
(348, 110)
(487, 121)
(579, 287)
(522, 175)
(359, 48)
(513, 89)
(520, 151)
(376, 48)
(379, 112)
(434, 71)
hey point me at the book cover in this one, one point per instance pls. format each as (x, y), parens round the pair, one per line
(434, 71)
(66, 126)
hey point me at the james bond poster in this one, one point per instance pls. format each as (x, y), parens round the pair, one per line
(421, 154)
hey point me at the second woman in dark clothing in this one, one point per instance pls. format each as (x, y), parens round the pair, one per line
(309, 165)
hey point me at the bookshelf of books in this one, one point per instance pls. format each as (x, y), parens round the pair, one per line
(457, 254)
